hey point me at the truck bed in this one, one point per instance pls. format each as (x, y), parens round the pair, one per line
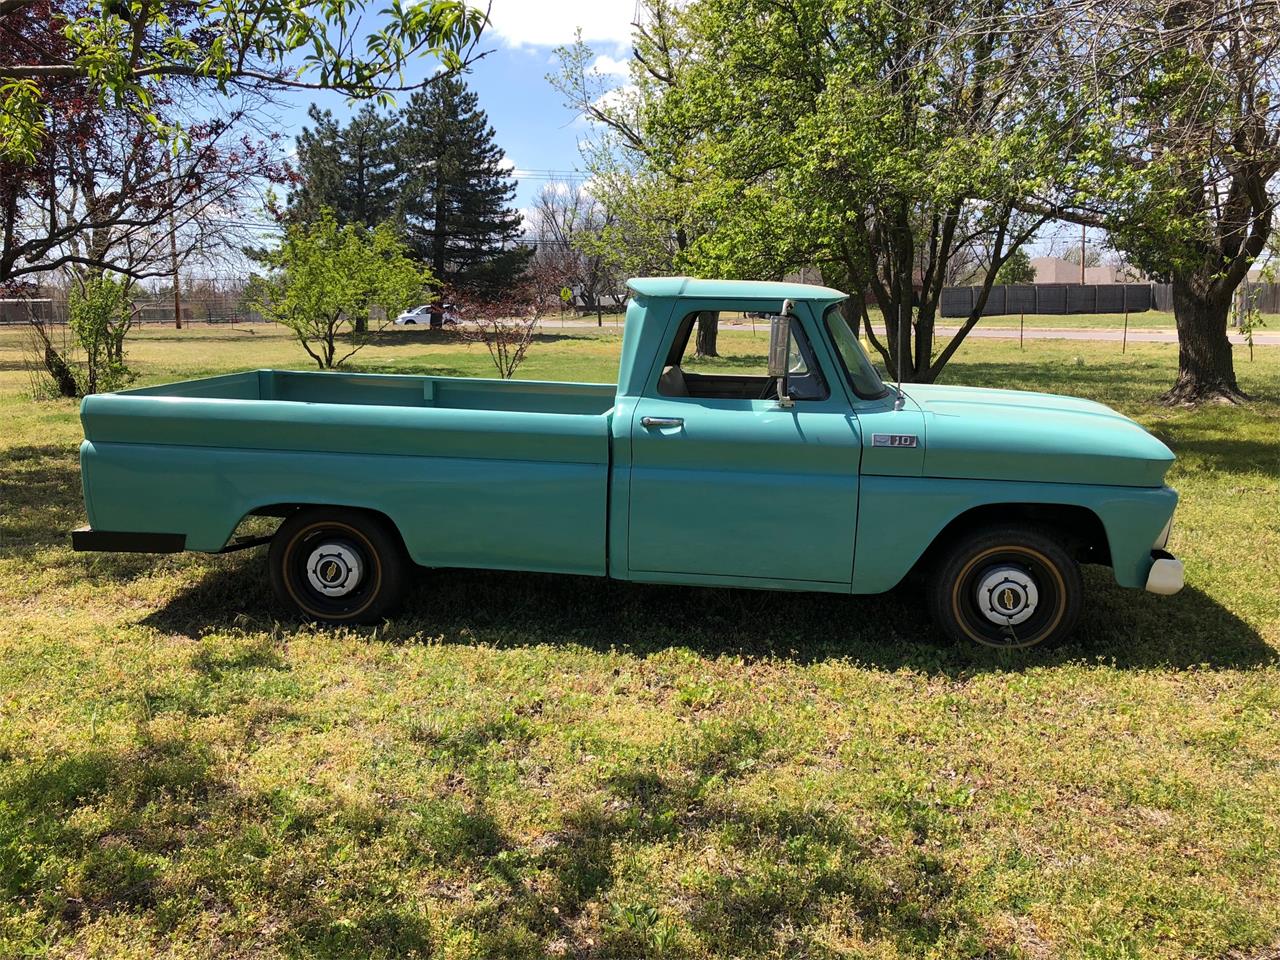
(483, 473)
(369, 389)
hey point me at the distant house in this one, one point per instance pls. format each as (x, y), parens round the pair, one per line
(1057, 270)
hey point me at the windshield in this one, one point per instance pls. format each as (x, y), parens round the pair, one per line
(862, 375)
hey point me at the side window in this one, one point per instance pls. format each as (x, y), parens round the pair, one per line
(739, 368)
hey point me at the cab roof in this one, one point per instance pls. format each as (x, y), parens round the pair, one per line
(730, 289)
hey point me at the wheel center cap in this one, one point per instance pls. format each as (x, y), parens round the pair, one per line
(334, 569)
(1007, 595)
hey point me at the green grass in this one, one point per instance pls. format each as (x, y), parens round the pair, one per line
(528, 766)
(1147, 320)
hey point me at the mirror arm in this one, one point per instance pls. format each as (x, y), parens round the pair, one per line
(784, 387)
(779, 339)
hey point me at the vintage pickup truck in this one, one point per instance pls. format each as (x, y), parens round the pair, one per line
(808, 474)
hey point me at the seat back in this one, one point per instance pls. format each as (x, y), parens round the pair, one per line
(672, 382)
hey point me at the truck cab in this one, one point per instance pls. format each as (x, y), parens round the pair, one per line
(806, 472)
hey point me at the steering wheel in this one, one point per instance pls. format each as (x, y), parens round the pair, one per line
(770, 391)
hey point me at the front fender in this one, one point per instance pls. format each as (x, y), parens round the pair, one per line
(900, 517)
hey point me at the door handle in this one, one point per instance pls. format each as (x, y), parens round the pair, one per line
(662, 421)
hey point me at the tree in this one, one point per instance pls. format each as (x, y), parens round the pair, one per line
(350, 170)
(123, 53)
(106, 195)
(506, 327)
(877, 140)
(325, 278)
(1017, 268)
(88, 356)
(1184, 101)
(566, 224)
(457, 192)
(102, 166)
(1092, 255)
(100, 315)
(645, 192)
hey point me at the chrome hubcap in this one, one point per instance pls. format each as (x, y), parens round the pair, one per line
(334, 569)
(1007, 595)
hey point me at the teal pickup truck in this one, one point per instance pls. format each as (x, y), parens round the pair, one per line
(808, 474)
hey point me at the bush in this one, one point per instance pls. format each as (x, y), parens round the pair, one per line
(99, 315)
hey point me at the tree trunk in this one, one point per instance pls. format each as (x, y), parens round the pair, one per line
(1206, 368)
(62, 376)
(708, 329)
(438, 255)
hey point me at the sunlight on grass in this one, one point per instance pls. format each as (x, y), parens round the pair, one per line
(529, 766)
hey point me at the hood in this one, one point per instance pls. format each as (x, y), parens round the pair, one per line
(978, 433)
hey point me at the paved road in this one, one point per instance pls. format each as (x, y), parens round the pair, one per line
(1005, 333)
(1098, 333)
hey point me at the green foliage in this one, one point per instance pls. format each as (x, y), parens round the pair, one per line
(883, 142)
(100, 315)
(456, 194)
(1017, 269)
(124, 50)
(325, 280)
(21, 121)
(350, 169)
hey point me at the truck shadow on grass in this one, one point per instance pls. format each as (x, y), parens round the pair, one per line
(40, 504)
(1127, 628)
(175, 842)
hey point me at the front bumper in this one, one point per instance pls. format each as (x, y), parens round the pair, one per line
(1165, 577)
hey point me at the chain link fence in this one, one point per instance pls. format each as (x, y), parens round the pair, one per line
(222, 308)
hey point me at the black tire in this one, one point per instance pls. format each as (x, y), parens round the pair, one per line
(365, 565)
(994, 570)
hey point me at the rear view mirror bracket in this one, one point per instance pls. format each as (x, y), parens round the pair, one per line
(779, 342)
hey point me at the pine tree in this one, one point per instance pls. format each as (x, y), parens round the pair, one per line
(456, 195)
(350, 170)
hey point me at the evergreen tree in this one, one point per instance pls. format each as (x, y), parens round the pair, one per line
(456, 195)
(350, 170)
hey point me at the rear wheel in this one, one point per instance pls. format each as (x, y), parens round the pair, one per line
(338, 566)
(1007, 587)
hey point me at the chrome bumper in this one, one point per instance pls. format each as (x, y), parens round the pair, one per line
(1165, 577)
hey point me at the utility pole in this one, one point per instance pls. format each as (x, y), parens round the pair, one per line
(173, 256)
(1082, 254)
(173, 252)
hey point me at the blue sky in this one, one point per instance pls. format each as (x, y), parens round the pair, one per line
(538, 133)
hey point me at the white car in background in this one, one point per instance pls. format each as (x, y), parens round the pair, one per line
(422, 314)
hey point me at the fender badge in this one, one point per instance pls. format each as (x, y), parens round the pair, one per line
(893, 440)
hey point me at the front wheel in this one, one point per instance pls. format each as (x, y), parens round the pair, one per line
(1006, 587)
(338, 566)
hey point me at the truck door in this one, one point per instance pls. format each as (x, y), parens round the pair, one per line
(727, 483)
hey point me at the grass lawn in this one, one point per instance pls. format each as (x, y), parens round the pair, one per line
(1148, 320)
(528, 766)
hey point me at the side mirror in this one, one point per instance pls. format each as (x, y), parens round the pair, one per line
(779, 342)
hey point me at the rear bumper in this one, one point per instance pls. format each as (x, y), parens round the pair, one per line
(1165, 577)
(117, 541)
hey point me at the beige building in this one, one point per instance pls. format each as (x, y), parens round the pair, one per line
(1057, 270)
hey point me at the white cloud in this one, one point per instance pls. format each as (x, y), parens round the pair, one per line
(549, 23)
(610, 66)
(615, 98)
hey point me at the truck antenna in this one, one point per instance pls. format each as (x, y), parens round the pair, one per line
(899, 401)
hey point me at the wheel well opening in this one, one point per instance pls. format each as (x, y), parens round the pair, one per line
(1077, 528)
(265, 520)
